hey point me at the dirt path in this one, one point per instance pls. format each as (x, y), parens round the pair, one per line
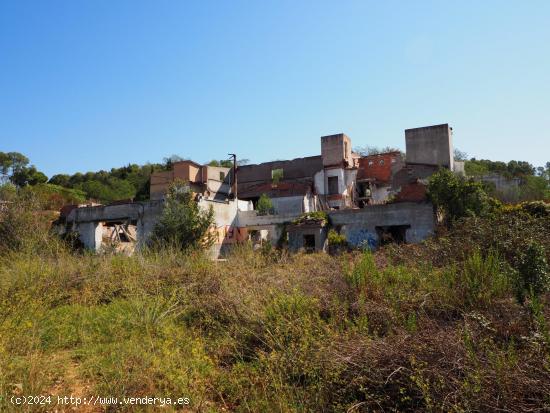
(70, 383)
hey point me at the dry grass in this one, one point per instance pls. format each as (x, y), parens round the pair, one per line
(266, 332)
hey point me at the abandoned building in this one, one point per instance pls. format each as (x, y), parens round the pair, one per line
(370, 199)
(213, 182)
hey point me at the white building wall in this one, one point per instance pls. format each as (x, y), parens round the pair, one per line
(319, 182)
(380, 194)
(288, 204)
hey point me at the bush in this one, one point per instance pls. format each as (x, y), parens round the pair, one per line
(533, 272)
(24, 227)
(337, 243)
(482, 280)
(537, 209)
(320, 217)
(182, 223)
(456, 197)
(265, 205)
(53, 197)
(8, 192)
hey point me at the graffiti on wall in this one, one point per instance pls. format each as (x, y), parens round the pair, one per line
(362, 238)
(228, 234)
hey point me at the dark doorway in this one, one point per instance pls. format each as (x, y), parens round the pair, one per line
(309, 243)
(392, 233)
(333, 185)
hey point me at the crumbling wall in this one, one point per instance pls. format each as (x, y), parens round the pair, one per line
(336, 150)
(87, 221)
(296, 235)
(359, 225)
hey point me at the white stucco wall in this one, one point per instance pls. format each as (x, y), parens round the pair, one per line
(288, 204)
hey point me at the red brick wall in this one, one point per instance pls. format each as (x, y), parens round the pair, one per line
(414, 192)
(377, 167)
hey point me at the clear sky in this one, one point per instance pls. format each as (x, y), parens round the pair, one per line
(89, 85)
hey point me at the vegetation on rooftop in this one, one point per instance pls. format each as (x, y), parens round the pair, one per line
(265, 205)
(317, 217)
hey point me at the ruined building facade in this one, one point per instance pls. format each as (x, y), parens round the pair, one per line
(369, 199)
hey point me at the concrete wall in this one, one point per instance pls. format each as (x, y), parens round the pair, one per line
(252, 219)
(218, 190)
(227, 230)
(346, 184)
(292, 169)
(296, 237)
(88, 221)
(507, 190)
(431, 145)
(160, 181)
(459, 167)
(129, 211)
(380, 193)
(336, 150)
(90, 234)
(359, 225)
(213, 172)
(271, 233)
(288, 204)
(225, 213)
(187, 171)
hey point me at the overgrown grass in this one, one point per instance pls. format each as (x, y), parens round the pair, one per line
(269, 332)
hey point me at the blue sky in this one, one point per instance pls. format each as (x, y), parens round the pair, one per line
(89, 85)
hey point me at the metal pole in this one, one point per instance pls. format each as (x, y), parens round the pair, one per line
(234, 173)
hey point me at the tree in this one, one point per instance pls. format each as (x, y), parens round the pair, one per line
(18, 161)
(520, 168)
(13, 161)
(265, 205)
(168, 161)
(28, 175)
(375, 150)
(5, 163)
(456, 197)
(534, 188)
(183, 223)
(108, 190)
(60, 179)
(226, 163)
(459, 155)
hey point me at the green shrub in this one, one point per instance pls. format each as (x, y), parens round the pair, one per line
(358, 275)
(182, 223)
(456, 197)
(320, 217)
(265, 205)
(482, 280)
(8, 192)
(24, 227)
(533, 272)
(53, 197)
(335, 239)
